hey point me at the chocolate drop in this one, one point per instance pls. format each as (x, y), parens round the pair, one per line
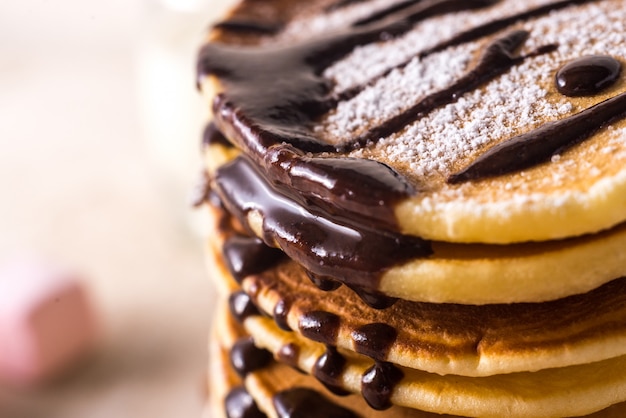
(247, 255)
(539, 145)
(239, 404)
(212, 135)
(374, 340)
(587, 76)
(320, 326)
(328, 370)
(378, 383)
(241, 306)
(307, 403)
(325, 284)
(245, 357)
(281, 313)
(289, 354)
(373, 299)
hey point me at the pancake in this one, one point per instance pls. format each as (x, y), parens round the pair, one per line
(275, 381)
(268, 383)
(435, 143)
(420, 202)
(527, 272)
(574, 390)
(446, 338)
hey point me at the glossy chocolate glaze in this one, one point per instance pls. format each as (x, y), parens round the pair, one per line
(239, 404)
(587, 76)
(373, 298)
(418, 10)
(289, 354)
(241, 306)
(280, 314)
(344, 249)
(327, 284)
(497, 58)
(320, 326)
(248, 255)
(374, 340)
(340, 4)
(378, 383)
(245, 357)
(539, 145)
(212, 135)
(249, 26)
(328, 369)
(331, 197)
(307, 403)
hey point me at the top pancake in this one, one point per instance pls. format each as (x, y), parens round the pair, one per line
(579, 190)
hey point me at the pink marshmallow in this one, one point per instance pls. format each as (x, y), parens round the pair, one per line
(46, 322)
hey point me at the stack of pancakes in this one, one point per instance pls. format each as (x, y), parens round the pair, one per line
(418, 208)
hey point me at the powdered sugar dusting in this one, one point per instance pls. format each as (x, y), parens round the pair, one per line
(434, 146)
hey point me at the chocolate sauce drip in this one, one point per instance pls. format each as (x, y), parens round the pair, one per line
(374, 340)
(341, 4)
(239, 404)
(328, 370)
(378, 383)
(245, 357)
(539, 145)
(418, 10)
(336, 184)
(247, 255)
(587, 76)
(320, 326)
(211, 135)
(373, 299)
(289, 354)
(307, 403)
(249, 26)
(333, 246)
(497, 58)
(241, 306)
(253, 76)
(281, 313)
(326, 284)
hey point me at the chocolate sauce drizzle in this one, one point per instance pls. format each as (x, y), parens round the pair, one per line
(329, 368)
(320, 326)
(307, 403)
(497, 59)
(239, 404)
(340, 4)
(378, 383)
(539, 145)
(212, 135)
(326, 284)
(333, 246)
(374, 340)
(289, 354)
(248, 255)
(417, 10)
(249, 26)
(241, 306)
(317, 209)
(281, 314)
(245, 357)
(587, 76)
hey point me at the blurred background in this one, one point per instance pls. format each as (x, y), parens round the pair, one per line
(100, 128)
